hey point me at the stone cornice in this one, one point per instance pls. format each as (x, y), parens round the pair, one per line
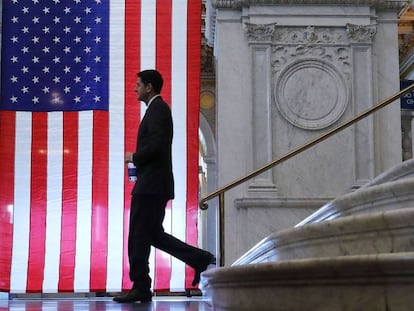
(238, 4)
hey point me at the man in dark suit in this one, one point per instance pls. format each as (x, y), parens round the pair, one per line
(153, 189)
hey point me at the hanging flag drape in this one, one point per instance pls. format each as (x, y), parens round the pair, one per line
(68, 113)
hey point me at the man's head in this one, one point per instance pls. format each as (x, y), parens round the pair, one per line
(149, 84)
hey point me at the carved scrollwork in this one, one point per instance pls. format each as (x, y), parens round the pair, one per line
(361, 33)
(260, 33)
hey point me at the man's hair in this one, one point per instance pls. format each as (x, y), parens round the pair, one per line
(152, 76)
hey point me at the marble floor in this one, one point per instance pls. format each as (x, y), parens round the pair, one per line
(159, 303)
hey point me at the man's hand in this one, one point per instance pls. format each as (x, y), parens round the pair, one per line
(129, 157)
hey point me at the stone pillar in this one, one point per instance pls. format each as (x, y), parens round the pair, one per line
(260, 39)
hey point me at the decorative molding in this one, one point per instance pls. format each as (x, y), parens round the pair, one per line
(259, 33)
(309, 35)
(361, 33)
(311, 94)
(380, 4)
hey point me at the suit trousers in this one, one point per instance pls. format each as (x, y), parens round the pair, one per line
(145, 229)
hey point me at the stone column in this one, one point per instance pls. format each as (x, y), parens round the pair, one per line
(260, 39)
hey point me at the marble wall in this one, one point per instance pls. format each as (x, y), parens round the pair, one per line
(287, 72)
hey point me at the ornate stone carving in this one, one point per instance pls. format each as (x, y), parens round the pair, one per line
(308, 36)
(312, 70)
(238, 4)
(361, 33)
(328, 44)
(259, 33)
(311, 94)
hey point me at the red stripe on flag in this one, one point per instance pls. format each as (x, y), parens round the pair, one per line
(7, 146)
(163, 65)
(100, 170)
(132, 109)
(38, 199)
(193, 98)
(69, 202)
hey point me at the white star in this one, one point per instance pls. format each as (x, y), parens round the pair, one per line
(88, 10)
(66, 49)
(36, 40)
(97, 99)
(77, 79)
(78, 1)
(98, 1)
(14, 39)
(25, 50)
(13, 99)
(35, 20)
(14, 79)
(66, 29)
(14, 59)
(46, 90)
(77, 19)
(46, 49)
(56, 59)
(56, 19)
(35, 79)
(25, 29)
(15, 19)
(35, 59)
(77, 39)
(56, 1)
(87, 89)
(25, 69)
(98, 20)
(35, 100)
(97, 59)
(56, 79)
(87, 69)
(77, 99)
(67, 69)
(35, 1)
(56, 40)
(97, 39)
(77, 59)
(66, 10)
(87, 49)
(25, 10)
(97, 79)
(46, 30)
(46, 69)
(66, 89)
(46, 10)
(15, 1)
(87, 30)
(25, 89)
(56, 99)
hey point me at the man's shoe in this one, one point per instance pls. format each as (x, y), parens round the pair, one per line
(206, 260)
(134, 295)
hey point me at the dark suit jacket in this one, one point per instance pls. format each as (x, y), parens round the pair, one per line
(153, 152)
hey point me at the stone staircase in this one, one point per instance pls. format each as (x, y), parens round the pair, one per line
(354, 253)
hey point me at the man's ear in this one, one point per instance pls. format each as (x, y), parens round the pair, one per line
(149, 86)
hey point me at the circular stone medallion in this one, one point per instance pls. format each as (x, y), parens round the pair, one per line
(311, 94)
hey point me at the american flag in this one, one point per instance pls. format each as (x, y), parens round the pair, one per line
(68, 113)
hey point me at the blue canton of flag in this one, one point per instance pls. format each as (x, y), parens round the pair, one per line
(55, 55)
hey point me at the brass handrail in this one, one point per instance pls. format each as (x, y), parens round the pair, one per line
(220, 192)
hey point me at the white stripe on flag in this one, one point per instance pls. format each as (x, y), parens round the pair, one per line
(21, 213)
(179, 147)
(84, 210)
(116, 151)
(147, 61)
(54, 201)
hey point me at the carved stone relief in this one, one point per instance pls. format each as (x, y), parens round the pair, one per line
(312, 70)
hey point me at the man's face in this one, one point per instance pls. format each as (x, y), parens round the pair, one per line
(142, 90)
